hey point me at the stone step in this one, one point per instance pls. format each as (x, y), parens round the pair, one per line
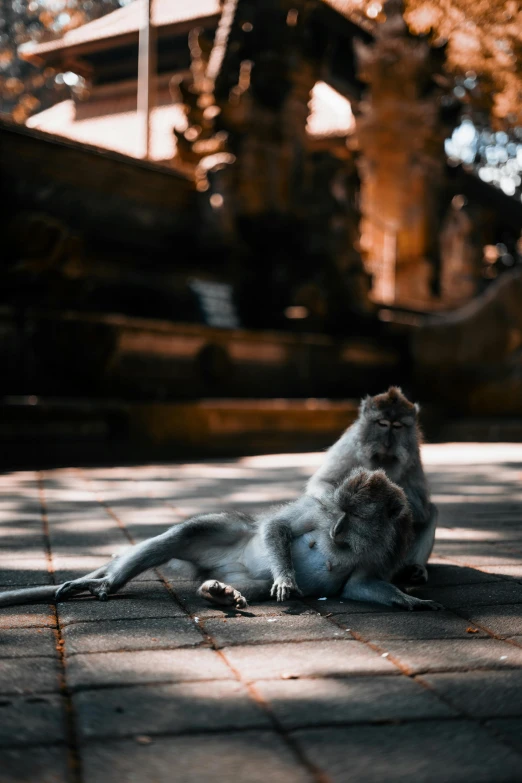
(36, 431)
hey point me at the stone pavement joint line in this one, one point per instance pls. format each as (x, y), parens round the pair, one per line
(73, 758)
(156, 684)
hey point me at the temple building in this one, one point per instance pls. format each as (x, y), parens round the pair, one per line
(294, 232)
(315, 135)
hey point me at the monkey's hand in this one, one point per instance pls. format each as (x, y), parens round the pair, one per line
(283, 586)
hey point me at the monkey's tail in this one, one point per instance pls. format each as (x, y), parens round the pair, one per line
(29, 595)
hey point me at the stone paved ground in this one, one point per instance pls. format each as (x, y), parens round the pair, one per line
(156, 686)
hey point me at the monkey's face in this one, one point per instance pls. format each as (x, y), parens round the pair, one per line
(389, 427)
(368, 501)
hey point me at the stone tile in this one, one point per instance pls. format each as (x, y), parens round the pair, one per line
(509, 730)
(17, 538)
(14, 517)
(166, 709)
(242, 757)
(406, 625)
(484, 694)
(427, 752)
(30, 720)
(145, 588)
(318, 702)
(29, 675)
(504, 620)
(27, 642)
(126, 635)
(23, 552)
(90, 538)
(40, 615)
(339, 606)
(441, 574)
(505, 592)
(483, 554)
(178, 570)
(307, 659)
(35, 765)
(24, 572)
(136, 668)
(512, 571)
(290, 628)
(118, 607)
(453, 654)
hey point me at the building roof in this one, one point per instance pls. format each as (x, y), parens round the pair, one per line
(123, 22)
(111, 121)
(114, 127)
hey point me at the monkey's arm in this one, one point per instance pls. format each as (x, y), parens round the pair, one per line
(278, 532)
(363, 587)
(338, 463)
(414, 571)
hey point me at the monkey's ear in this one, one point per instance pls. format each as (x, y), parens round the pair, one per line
(416, 408)
(338, 525)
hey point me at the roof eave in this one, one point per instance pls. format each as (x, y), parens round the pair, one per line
(66, 52)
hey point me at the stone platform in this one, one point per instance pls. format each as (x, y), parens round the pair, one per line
(156, 686)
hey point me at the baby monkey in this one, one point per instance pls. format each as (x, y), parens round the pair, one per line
(354, 548)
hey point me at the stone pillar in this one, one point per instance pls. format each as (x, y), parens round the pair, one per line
(400, 139)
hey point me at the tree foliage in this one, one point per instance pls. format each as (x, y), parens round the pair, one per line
(24, 88)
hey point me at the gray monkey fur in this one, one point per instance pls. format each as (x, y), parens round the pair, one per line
(385, 435)
(353, 547)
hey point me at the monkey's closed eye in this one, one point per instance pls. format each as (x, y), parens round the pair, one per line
(383, 423)
(397, 424)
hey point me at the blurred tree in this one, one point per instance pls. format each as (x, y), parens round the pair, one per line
(25, 88)
(484, 51)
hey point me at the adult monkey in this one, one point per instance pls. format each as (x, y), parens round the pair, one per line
(386, 435)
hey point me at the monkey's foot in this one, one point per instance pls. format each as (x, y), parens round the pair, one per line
(283, 587)
(413, 575)
(222, 594)
(100, 588)
(421, 605)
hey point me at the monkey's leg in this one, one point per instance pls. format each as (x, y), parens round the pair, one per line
(415, 571)
(189, 540)
(110, 578)
(380, 592)
(245, 591)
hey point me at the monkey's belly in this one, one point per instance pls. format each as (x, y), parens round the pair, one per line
(316, 573)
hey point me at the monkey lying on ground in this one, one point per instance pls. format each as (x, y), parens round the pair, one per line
(385, 435)
(355, 547)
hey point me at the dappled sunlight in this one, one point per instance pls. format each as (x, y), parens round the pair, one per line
(471, 453)
(473, 534)
(473, 498)
(310, 460)
(264, 496)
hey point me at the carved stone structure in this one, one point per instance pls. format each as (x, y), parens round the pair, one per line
(460, 255)
(400, 137)
(286, 201)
